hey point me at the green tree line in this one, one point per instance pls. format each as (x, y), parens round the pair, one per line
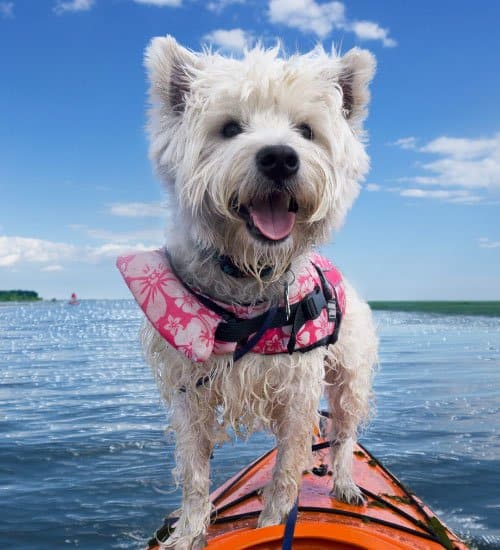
(19, 296)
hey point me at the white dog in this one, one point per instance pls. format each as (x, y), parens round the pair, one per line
(262, 158)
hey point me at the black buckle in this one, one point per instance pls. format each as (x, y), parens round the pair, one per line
(313, 305)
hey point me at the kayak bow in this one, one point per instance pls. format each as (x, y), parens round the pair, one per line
(392, 517)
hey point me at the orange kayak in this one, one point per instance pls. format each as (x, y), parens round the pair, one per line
(391, 519)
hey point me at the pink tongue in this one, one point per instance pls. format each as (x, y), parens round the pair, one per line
(271, 216)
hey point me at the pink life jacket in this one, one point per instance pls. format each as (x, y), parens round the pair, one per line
(199, 327)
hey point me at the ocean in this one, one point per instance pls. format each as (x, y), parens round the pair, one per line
(85, 461)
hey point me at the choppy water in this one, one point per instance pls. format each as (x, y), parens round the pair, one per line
(84, 460)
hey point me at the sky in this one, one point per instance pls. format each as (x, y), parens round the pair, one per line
(76, 186)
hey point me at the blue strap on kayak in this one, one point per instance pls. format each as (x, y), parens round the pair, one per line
(290, 527)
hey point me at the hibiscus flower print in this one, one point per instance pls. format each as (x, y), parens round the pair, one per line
(150, 288)
(303, 337)
(322, 325)
(304, 283)
(182, 298)
(123, 262)
(173, 324)
(187, 303)
(272, 344)
(195, 340)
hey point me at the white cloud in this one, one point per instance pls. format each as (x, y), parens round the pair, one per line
(220, 5)
(137, 210)
(321, 19)
(233, 40)
(485, 242)
(114, 243)
(463, 148)
(112, 250)
(406, 143)
(143, 234)
(52, 267)
(476, 173)
(153, 235)
(467, 164)
(308, 15)
(372, 187)
(456, 196)
(15, 250)
(7, 9)
(160, 3)
(52, 256)
(368, 30)
(73, 6)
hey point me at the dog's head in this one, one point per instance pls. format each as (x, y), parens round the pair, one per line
(263, 154)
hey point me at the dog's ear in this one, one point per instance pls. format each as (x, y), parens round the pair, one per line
(357, 70)
(171, 70)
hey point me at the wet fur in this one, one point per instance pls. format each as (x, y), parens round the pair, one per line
(192, 96)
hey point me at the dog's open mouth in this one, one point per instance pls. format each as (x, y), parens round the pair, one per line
(270, 218)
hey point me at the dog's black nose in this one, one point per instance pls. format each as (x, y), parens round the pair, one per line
(277, 162)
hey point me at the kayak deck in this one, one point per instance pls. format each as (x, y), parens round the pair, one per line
(391, 518)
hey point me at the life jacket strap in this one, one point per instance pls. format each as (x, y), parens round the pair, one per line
(246, 333)
(237, 330)
(309, 308)
(239, 352)
(332, 304)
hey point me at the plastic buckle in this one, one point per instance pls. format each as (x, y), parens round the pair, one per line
(311, 307)
(331, 307)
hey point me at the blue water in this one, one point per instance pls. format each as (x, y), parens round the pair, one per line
(85, 462)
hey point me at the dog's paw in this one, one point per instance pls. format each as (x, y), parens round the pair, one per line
(184, 543)
(175, 544)
(266, 520)
(350, 494)
(199, 542)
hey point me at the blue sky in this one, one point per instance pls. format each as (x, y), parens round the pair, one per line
(76, 186)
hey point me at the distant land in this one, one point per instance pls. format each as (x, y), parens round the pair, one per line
(19, 296)
(488, 308)
(491, 309)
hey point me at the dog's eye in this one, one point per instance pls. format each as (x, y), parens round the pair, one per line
(231, 129)
(305, 131)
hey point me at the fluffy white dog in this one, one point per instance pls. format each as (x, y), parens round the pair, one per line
(262, 158)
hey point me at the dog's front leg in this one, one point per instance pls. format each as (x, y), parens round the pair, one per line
(293, 442)
(349, 368)
(293, 422)
(193, 422)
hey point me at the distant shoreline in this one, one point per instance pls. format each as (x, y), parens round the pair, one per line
(8, 296)
(443, 307)
(488, 308)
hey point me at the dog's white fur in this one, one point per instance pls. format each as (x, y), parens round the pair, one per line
(193, 96)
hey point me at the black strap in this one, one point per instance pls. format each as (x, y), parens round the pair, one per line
(333, 306)
(324, 283)
(236, 329)
(309, 308)
(248, 332)
(254, 340)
